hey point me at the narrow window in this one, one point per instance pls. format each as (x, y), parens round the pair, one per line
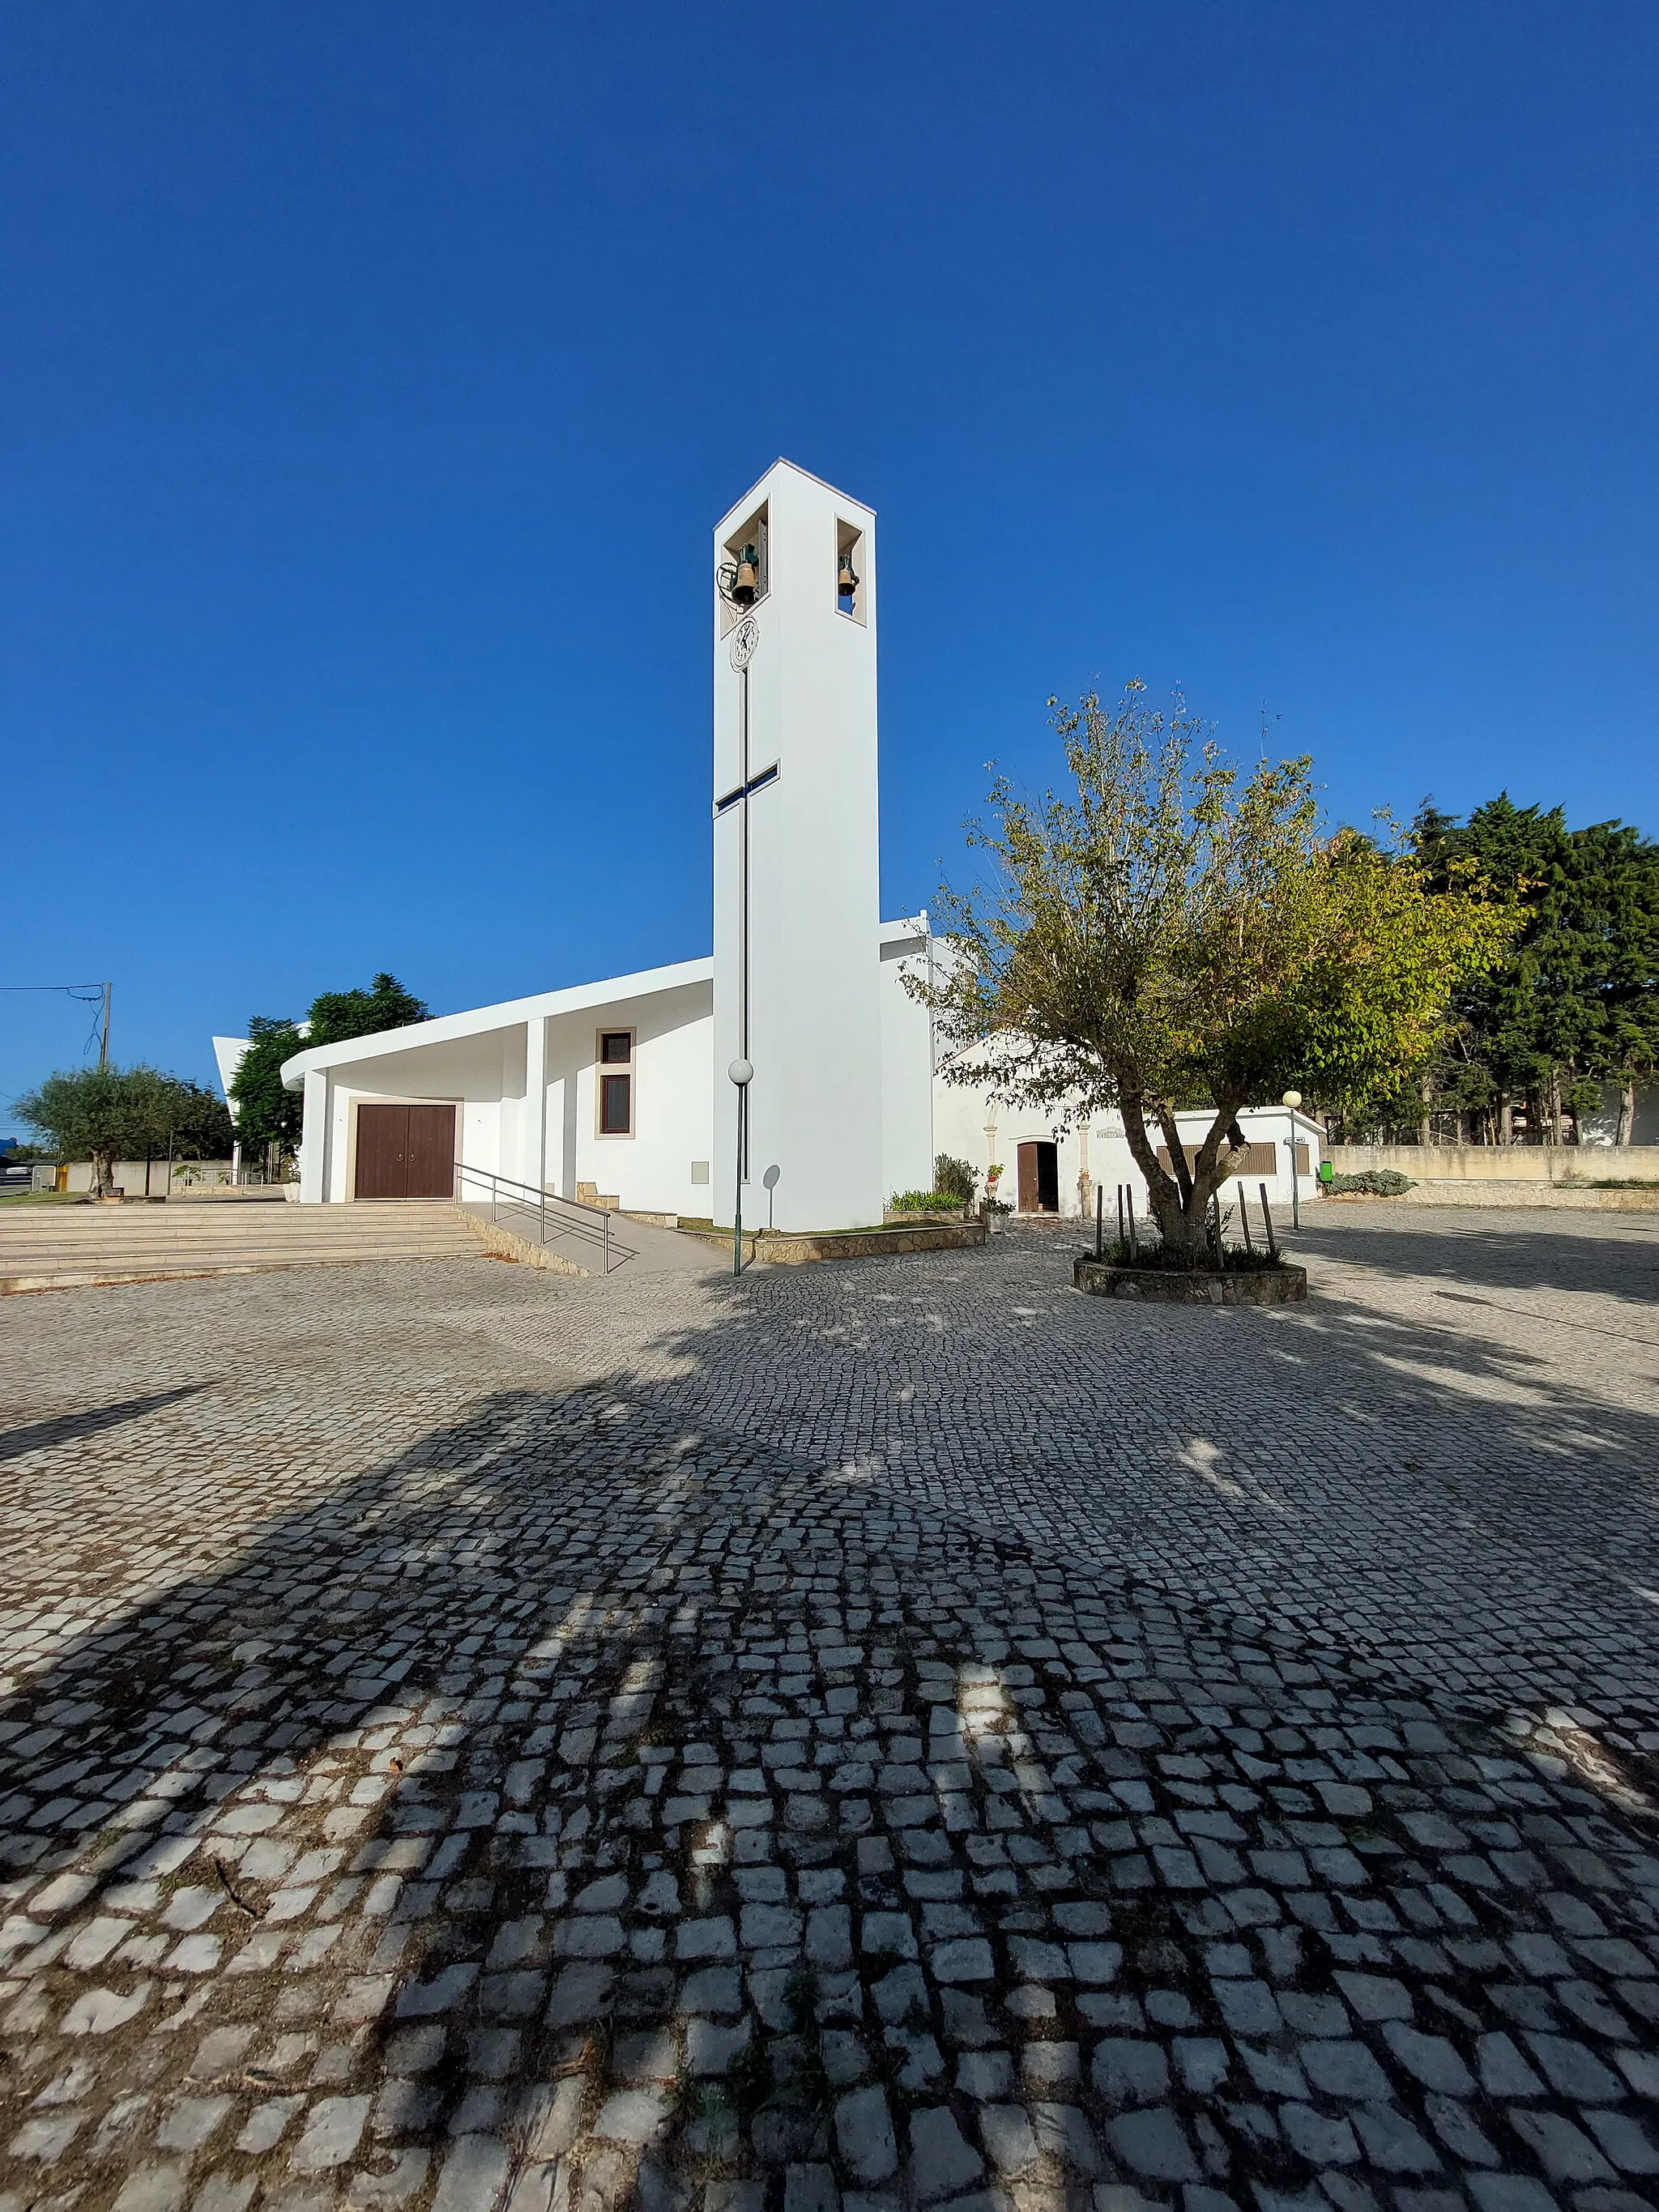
(616, 1098)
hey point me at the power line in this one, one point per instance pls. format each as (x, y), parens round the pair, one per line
(88, 994)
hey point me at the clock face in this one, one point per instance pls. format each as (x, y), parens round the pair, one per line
(744, 638)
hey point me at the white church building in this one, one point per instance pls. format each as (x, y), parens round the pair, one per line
(620, 1092)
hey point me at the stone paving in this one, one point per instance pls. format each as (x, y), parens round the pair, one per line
(1446, 1459)
(461, 1751)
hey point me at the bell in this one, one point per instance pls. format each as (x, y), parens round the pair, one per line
(746, 582)
(846, 583)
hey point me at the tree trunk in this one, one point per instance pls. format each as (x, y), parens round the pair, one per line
(1505, 1118)
(1181, 1200)
(1555, 1137)
(1166, 1189)
(1627, 1111)
(103, 1174)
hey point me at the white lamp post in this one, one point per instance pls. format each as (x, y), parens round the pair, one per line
(742, 1072)
(1293, 1099)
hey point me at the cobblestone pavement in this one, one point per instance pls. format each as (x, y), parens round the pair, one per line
(460, 1751)
(1448, 1459)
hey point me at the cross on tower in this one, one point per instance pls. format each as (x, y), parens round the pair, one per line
(745, 642)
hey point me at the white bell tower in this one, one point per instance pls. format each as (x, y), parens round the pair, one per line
(797, 953)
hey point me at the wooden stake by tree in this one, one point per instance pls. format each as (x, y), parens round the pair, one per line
(1175, 936)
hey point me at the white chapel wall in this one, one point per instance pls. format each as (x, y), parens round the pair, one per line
(649, 1171)
(907, 1068)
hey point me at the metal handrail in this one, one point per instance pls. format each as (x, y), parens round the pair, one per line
(538, 1200)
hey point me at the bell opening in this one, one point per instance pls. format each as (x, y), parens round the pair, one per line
(849, 571)
(741, 566)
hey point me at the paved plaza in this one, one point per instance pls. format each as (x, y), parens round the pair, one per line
(894, 1735)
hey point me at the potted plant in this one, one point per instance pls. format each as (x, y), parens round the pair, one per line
(997, 1210)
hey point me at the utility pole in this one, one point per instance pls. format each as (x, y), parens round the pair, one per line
(103, 1045)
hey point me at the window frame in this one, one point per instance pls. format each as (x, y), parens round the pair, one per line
(604, 1070)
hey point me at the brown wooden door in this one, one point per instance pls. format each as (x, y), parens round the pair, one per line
(431, 1152)
(1039, 1177)
(382, 1151)
(406, 1151)
(1027, 1193)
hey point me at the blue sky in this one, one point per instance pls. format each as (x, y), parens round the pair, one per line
(370, 378)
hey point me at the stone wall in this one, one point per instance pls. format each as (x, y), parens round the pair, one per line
(1546, 1163)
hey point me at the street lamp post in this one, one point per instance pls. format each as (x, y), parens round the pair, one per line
(1293, 1099)
(742, 1072)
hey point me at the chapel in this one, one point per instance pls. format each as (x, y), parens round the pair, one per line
(792, 1067)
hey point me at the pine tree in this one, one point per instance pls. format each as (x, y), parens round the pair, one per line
(1576, 1004)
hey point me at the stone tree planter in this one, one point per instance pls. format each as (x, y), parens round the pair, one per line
(1283, 1285)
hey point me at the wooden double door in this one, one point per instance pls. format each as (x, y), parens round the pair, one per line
(406, 1151)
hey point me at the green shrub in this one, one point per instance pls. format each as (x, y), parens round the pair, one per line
(1159, 1257)
(957, 1178)
(1374, 1183)
(925, 1202)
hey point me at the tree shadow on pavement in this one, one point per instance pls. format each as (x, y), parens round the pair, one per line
(588, 1806)
(1477, 1514)
(71, 1428)
(1618, 1259)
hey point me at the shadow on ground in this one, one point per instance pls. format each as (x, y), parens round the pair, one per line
(1474, 1512)
(589, 1806)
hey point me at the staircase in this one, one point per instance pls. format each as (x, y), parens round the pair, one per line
(46, 1247)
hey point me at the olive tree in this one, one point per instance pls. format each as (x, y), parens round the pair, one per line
(1178, 934)
(108, 1113)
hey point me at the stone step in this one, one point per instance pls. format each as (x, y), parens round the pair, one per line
(220, 1231)
(115, 1244)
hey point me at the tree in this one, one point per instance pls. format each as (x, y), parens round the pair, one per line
(336, 1015)
(267, 1116)
(199, 1125)
(1576, 1003)
(109, 1113)
(1174, 936)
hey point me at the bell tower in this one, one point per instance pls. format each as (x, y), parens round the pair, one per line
(796, 954)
